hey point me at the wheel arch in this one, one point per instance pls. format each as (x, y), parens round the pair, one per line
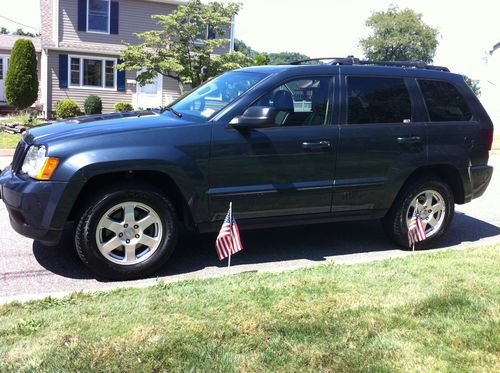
(157, 179)
(446, 172)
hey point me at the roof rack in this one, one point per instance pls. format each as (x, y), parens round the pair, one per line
(351, 60)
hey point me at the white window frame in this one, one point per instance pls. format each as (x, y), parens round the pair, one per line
(103, 83)
(109, 20)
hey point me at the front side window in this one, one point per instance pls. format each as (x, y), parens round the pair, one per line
(209, 99)
(90, 72)
(98, 16)
(444, 102)
(300, 102)
(377, 100)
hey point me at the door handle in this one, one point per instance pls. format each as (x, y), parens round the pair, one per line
(409, 140)
(316, 145)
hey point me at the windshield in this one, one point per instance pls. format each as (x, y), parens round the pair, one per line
(207, 100)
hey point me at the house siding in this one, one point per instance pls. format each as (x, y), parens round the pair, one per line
(134, 17)
(108, 97)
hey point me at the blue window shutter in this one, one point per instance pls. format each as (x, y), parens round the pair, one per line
(82, 15)
(113, 22)
(63, 71)
(120, 79)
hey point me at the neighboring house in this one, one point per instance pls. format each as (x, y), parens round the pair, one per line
(6, 44)
(80, 45)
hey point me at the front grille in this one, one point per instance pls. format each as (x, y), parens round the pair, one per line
(17, 161)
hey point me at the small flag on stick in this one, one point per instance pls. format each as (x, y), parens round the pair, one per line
(416, 229)
(228, 241)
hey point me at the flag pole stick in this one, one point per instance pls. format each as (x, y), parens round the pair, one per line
(231, 226)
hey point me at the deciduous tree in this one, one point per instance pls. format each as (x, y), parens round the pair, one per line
(183, 46)
(399, 35)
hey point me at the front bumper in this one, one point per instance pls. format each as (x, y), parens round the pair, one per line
(32, 206)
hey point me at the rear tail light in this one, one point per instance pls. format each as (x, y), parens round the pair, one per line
(487, 135)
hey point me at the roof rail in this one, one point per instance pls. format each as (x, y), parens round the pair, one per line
(351, 60)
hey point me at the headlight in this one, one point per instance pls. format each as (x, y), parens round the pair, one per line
(37, 165)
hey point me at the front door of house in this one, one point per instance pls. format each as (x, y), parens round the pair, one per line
(4, 61)
(149, 96)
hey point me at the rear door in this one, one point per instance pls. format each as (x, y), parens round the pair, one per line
(382, 140)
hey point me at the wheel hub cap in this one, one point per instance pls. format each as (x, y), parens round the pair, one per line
(129, 233)
(430, 205)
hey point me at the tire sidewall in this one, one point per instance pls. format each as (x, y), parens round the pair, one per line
(85, 236)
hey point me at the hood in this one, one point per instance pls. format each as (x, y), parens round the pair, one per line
(97, 125)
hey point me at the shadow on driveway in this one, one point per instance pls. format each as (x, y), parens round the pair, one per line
(311, 242)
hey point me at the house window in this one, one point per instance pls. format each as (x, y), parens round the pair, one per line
(98, 16)
(92, 72)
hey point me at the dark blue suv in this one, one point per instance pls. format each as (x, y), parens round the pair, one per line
(300, 144)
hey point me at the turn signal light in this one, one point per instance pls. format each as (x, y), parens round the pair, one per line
(48, 169)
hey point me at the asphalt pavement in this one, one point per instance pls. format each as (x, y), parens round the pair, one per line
(29, 270)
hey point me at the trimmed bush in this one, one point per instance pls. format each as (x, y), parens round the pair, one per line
(93, 105)
(21, 82)
(67, 108)
(123, 106)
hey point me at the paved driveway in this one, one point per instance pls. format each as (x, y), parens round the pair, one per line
(29, 270)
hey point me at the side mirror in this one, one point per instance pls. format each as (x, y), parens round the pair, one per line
(255, 117)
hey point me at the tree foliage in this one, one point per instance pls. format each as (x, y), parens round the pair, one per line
(179, 49)
(399, 35)
(280, 58)
(473, 84)
(21, 82)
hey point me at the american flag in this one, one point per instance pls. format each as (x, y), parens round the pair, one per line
(228, 241)
(416, 229)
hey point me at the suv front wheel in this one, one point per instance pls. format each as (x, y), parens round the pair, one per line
(126, 233)
(433, 200)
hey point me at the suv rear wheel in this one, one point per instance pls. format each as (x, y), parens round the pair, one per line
(434, 201)
(126, 232)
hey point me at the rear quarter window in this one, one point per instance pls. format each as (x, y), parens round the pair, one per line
(444, 102)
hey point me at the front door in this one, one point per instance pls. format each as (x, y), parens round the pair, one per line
(283, 170)
(4, 62)
(149, 96)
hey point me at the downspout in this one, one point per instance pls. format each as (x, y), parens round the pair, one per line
(231, 43)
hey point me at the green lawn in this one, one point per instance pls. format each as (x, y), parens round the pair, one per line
(8, 141)
(427, 312)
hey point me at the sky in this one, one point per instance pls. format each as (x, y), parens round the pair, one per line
(319, 28)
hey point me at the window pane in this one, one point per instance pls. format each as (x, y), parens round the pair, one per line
(92, 73)
(98, 15)
(1, 68)
(300, 102)
(377, 100)
(110, 74)
(444, 102)
(75, 71)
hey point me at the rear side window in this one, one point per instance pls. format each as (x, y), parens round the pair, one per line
(444, 102)
(377, 100)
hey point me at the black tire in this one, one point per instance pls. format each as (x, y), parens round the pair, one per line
(395, 222)
(86, 227)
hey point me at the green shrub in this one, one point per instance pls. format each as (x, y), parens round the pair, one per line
(21, 82)
(67, 108)
(93, 105)
(123, 106)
